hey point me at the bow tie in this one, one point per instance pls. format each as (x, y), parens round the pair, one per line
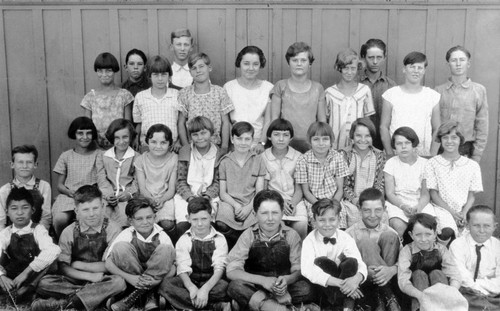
(331, 240)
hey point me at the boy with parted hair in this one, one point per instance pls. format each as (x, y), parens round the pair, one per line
(181, 43)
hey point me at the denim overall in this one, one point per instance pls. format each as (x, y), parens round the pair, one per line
(268, 258)
(20, 253)
(89, 247)
(426, 261)
(144, 249)
(201, 256)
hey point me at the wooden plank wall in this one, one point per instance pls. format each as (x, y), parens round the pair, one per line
(47, 53)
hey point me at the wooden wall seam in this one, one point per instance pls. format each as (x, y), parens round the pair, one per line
(5, 126)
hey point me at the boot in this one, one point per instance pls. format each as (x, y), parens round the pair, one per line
(50, 304)
(126, 303)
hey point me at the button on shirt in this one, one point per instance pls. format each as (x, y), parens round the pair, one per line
(181, 76)
(280, 171)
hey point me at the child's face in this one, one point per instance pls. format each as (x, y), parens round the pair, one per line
(106, 76)
(181, 47)
(459, 63)
(143, 221)
(24, 165)
(135, 67)
(371, 213)
(200, 71)
(414, 73)
(200, 223)
(374, 59)
(159, 80)
(299, 64)
(90, 213)
(250, 66)
(404, 147)
(320, 145)
(481, 226)
(19, 212)
(243, 142)
(269, 217)
(201, 139)
(280, 139)
(450, 142)
(327, 223)
(350, 71)
(423, 236)
(362, 138)
(122, 140)
(83, 138)
(158, 145)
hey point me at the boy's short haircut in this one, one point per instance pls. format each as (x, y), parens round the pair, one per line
(320, 129)
(193, 58)
(267, 195)
(158, 64)
(181, 32)
(24, 149)
(426, 220)
(200, 123)
(117, 125)
(322, 205)
(366, 122)
(82, 123)
(371, 194)
(106, 61)
(242, 127)
(479, 209)
(406, 132)
(457, 48)
(299, 47)
(136, 52)
(199, 204)
(347, 57)
(251, 49)
(372, 43)
(19, 194)
(280, 125)
(135, 204)
(87, 193)
(159, 128)
(447, 127)
(414, 58)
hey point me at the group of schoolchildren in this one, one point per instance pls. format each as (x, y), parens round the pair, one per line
(185, 195)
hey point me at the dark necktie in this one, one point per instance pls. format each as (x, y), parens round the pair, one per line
(478, 261)
(331, 240)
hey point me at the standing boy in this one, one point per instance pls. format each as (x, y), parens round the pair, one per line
(24, 162)
(181, 43)
(465, 101)
(83, 284)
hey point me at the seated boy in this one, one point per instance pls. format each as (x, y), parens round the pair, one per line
(26, 247)
(83, 283)
(331, 259)
(142, 254)
(24, 163)
(264, 265)
(477, 254)
(379, 247)
(201, 254)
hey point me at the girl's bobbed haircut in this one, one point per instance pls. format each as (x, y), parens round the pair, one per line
(106, 61)
(320, 129)
(280, 125)
(415, 57)
(242, 127)
(158, 64)
(406, 132)
(372, 43)
(200, 123)
(347, 57)
(136, 52)
(426, 220)
(193, 58)
(117, 125)
(366, 122)
(447, 127)
(251, 49)
(159, 128)
(299, 47)
(82, 123)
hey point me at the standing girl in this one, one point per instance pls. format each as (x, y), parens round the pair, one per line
(348, 100)
(135, 65)
(108, 102)
(75, 168)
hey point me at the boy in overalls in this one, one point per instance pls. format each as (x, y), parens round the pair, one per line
(201, 254)
(83, 283)
(142, 254)
(26, 247)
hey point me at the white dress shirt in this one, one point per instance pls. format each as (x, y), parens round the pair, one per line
(181, 76)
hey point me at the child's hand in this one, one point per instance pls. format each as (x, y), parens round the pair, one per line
(176, 146)
(280, 286)
(96, 277)
(289, 209)
(268, 282)
(124, 197)
(349, 285)
(135, 281)
(201, 299)
(20, 279)
(357, 294)
(383, 275)
(6, 283)
(112, 200)
(147, 281)
(244, 212)
(258, 148)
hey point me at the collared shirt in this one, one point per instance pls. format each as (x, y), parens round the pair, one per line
(127, 235)
(359, 231)
(48, 250)
(463, 250)
(45, 191)
(314, 247)
(181, 76)
(184, 245)
(149, 110)
(136, 87)
(116, 175)
(449, 266)
(364, 170)
(280, 171)
(382, 84)
(466, 103)
(239, 253)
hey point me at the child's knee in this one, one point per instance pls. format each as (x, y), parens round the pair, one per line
(167, 225)
(223, 228)
(122, 249)
(437, 276)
